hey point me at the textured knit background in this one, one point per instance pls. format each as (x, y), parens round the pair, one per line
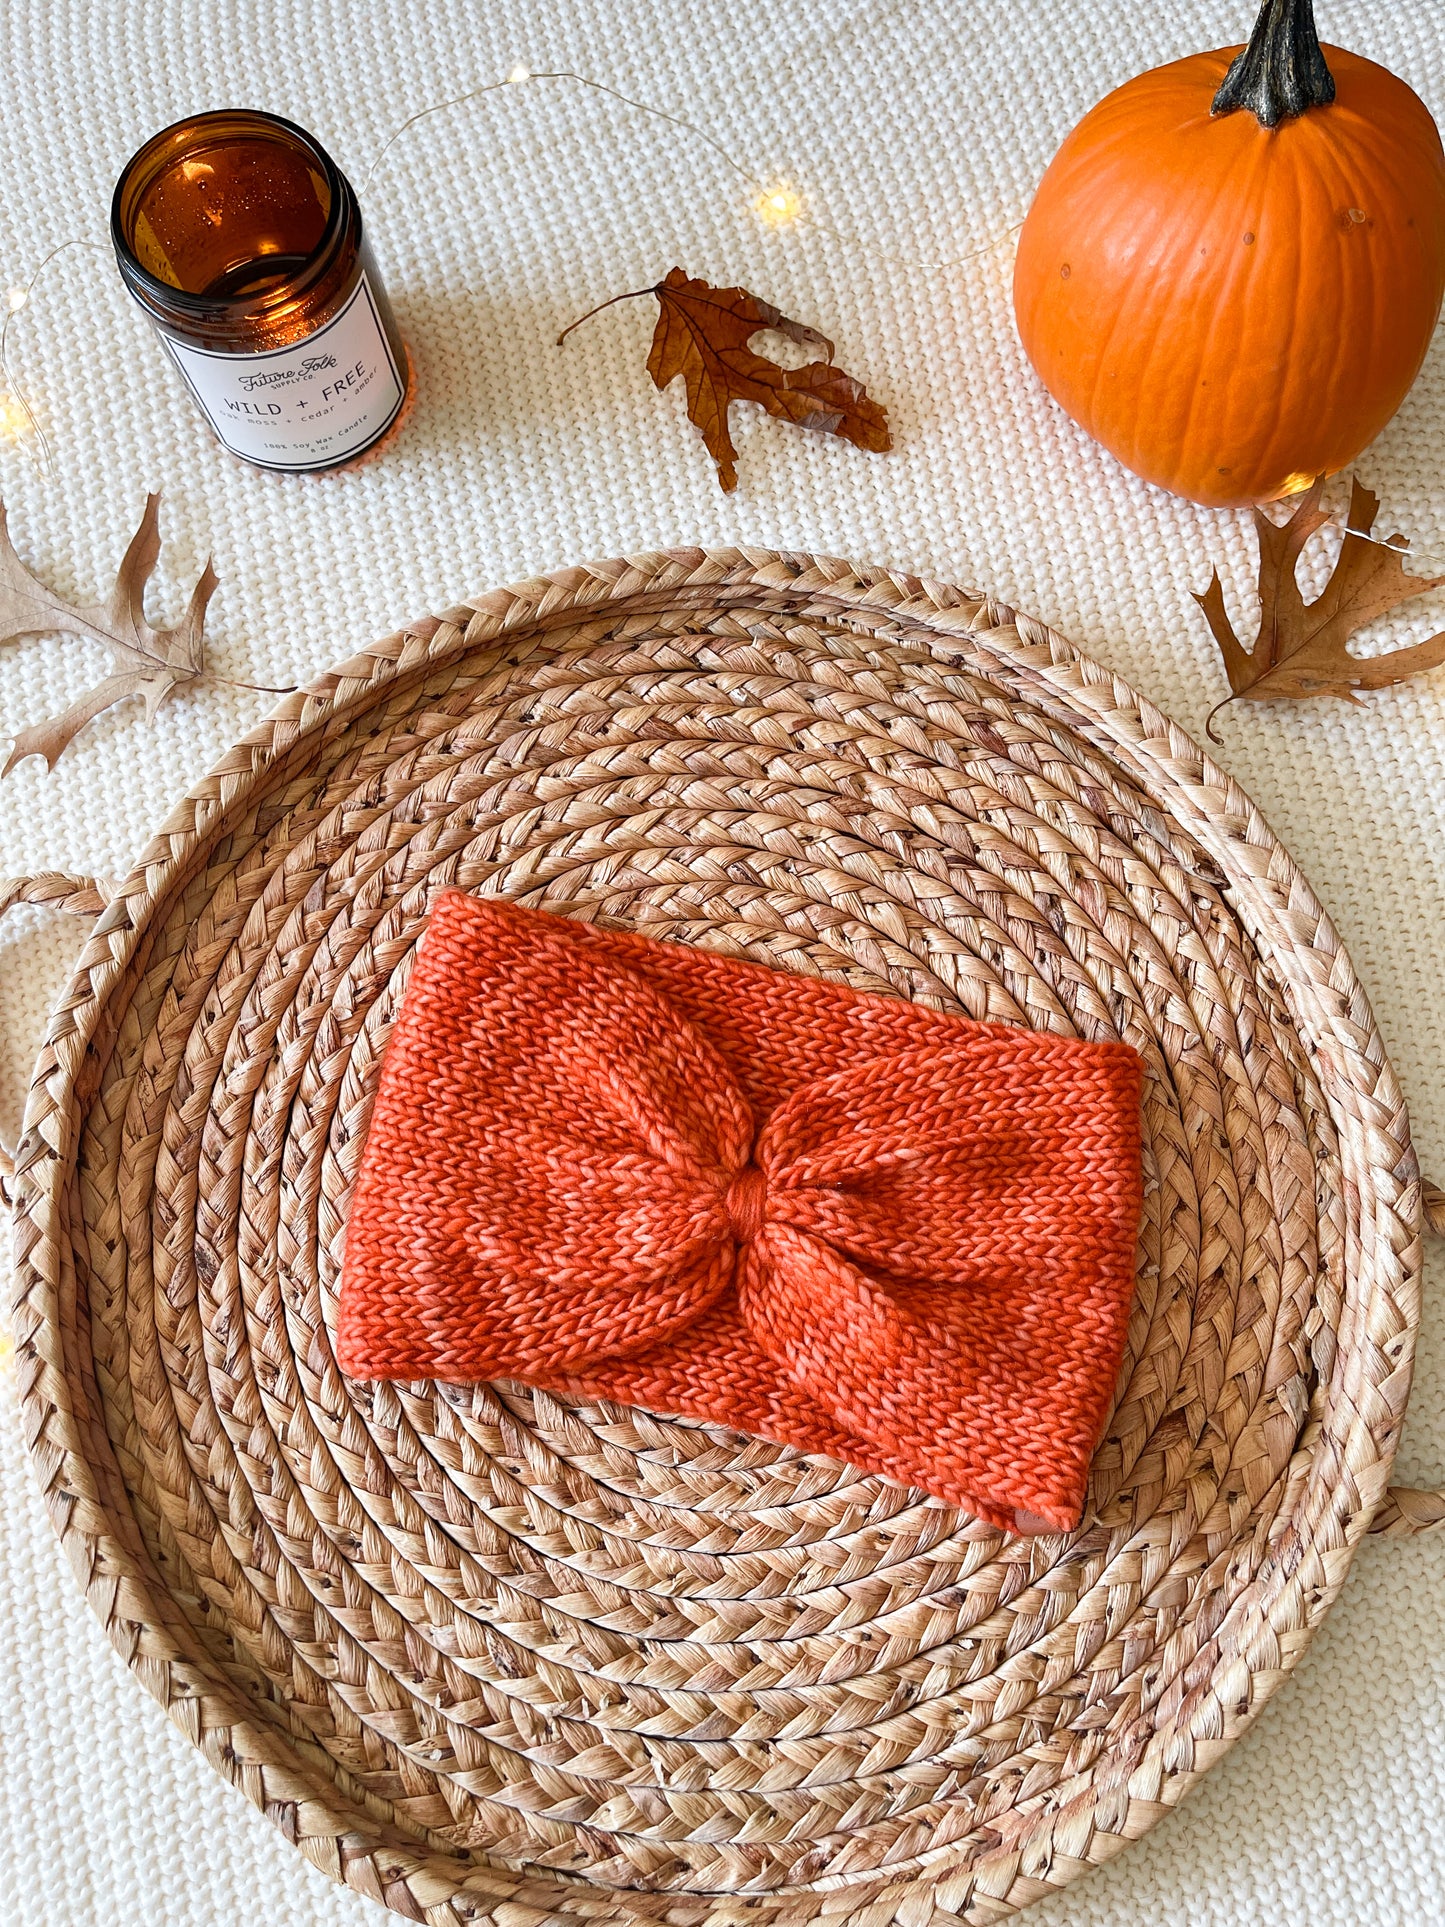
(918, 129)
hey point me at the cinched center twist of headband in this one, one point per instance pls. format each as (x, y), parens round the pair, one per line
(639, 1171)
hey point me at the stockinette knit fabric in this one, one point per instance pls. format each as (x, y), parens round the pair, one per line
(640, 1171)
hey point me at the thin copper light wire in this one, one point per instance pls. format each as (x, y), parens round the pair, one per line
(1397, 544)
(11, 383)
(801, 219)
(522, 78)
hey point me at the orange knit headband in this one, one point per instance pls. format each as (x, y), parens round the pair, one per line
(634, 1170)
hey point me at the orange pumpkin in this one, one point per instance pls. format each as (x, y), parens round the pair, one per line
(1234, 264)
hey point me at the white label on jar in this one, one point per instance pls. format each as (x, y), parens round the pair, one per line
(307, 406)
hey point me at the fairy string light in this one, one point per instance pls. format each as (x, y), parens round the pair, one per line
(775, 202)
(1337, 522)
(521, 76)
(16, 407)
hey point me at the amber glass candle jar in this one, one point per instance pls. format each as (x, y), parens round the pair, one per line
(242, 240)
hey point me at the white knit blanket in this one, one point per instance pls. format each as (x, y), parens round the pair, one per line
(916, 128)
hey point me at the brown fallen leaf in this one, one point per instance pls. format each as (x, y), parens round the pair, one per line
(703, 334)
(146, 662)
(1302, 647)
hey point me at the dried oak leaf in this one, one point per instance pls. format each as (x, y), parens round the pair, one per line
(1301, 648)
(703, 334)
(145, 662)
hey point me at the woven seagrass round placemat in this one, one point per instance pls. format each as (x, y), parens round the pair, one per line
(488, 1655)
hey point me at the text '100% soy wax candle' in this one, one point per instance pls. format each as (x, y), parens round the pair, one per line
(242, 240)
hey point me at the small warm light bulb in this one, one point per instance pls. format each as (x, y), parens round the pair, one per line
(13, 424)
(778, 206)
(17, 298)
(518, 74)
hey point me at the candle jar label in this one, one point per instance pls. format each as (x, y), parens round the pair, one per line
(307, 406)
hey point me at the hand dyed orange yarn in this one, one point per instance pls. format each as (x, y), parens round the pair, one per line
(638, 1171)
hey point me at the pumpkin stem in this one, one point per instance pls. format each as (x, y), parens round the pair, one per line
(1282, 71)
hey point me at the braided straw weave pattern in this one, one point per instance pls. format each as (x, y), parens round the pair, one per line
(485, 1654)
